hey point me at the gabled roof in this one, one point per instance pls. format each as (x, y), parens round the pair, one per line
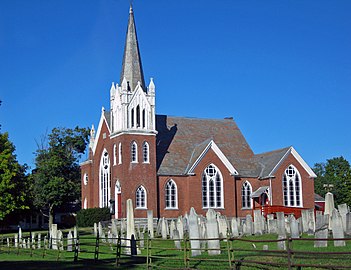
(181, 140)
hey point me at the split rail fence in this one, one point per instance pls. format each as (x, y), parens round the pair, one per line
(157, 253)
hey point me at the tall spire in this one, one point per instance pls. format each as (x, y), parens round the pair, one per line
(131, 68)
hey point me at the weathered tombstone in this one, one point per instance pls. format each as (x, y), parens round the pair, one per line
(311, 222)
(141, 240)
(39, 241)
(172, 227)
(321, 230)
(123, 226)
(248, 226)
(281, 244)
(180, 227)
(212, 232)
(164, 228)
(222, 226)
(150, 223)
(8, 242)
(33, 240)
(45, 242)
(194, 233)
(348, 224)
(235, 229)
(20, 236)
(329, 206)
(343, 210)
(16, 240)
(281, 230)
(337, 229)
(130, 222)
(258, 222)
(294, 228)
(304, 218)
(114, 229)
(60, 239)
(69, 241)
(53, 236)
(176, 238)
(109, 237)
(95, 229)
(265, 247)
(203, 235)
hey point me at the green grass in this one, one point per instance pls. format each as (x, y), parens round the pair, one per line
(165, 255)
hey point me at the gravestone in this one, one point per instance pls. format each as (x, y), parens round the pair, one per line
(70, 241)
(176, 238)
(172, 227)
(39, 241)
(281, 230)
(248, 226)
(141, 240)
(53, 236)
(329, 206)
(222, 226)
(337, 229)
(180, 227)
(16, 240)
(258, 222)
(33, 240)
(164, 228)
(294, 228)
(348, 224)
(304, 218)
(343, 210)
(235, 229)
(212, 232)
(95, 229)
(203, 235)
(321, 230)
(60, 239)
(194, 233)
(150, 223)
(130, 219)
(281, 244)
(311, 222)
(114, 229)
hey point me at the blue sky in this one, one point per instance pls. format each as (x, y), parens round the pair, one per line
(282, 69)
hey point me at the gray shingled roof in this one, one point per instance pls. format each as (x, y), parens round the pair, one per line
(181, 140)
(267, 161)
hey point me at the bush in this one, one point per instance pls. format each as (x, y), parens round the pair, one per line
(87, 217)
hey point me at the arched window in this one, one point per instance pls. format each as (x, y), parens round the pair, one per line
(138, 116)
(104, 179)
(114, 154)
(134, 152)
(171, 194)
(140, 197)
(145, 152)
(292, 189)
(246, 190)
(120, 153)
(212, 188)
(143, 118)
(132, 117)
(85, 179)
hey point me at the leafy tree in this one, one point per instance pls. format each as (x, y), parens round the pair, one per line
(57, 174)
(13, 180)
(335, 172)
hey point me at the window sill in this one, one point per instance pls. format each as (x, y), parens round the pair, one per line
(171, 208)
(134, 162)
(140, 208)
(219, 208)
(246, 208)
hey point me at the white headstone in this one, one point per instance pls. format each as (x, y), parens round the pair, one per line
(212, 232)
(150, 223)
(164, 230)
(194, 233)
(337, 229)
(235, 229)
(69, 241)
(329, 206)
(130, 219)
(53, 236)
(180, 227)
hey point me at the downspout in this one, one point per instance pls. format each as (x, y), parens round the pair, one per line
(235, 198)
(270, 191)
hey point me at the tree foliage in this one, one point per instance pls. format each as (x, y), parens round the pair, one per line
(335, 172)
(57, 174)
(13, 180)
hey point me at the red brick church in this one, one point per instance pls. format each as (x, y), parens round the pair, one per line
(169, 164)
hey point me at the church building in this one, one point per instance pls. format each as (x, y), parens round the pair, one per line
(169, 164)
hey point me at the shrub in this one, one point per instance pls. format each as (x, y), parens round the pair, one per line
(87, 217)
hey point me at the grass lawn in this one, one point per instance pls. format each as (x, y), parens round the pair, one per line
(165, 255)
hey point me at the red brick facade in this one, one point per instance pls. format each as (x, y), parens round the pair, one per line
(180, 149)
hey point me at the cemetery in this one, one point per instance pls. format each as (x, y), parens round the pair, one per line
(316, 240)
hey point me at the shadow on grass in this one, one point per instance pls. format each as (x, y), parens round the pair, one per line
(137, 262)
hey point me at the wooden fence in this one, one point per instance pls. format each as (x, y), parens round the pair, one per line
(157, 253)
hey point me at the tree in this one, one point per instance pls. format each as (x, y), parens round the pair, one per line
(13, 179)
(57, 174)
(335, 172)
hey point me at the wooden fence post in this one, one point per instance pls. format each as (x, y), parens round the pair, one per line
(148, 256)
(96, 253)
(289, 251)
(118, 249)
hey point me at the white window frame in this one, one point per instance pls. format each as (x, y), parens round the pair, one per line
(246, 191)
(146, 153)
(292, 187)
(134, 152)
(114, 154)
(207, 179)
(140, 200)
(104, 179)
(120, 153)
(171, 200)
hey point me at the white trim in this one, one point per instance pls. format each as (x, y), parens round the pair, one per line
(135, 132)
(176, 195)
(136, 201)
(102, 119)
(212, 145)
(296, 155)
